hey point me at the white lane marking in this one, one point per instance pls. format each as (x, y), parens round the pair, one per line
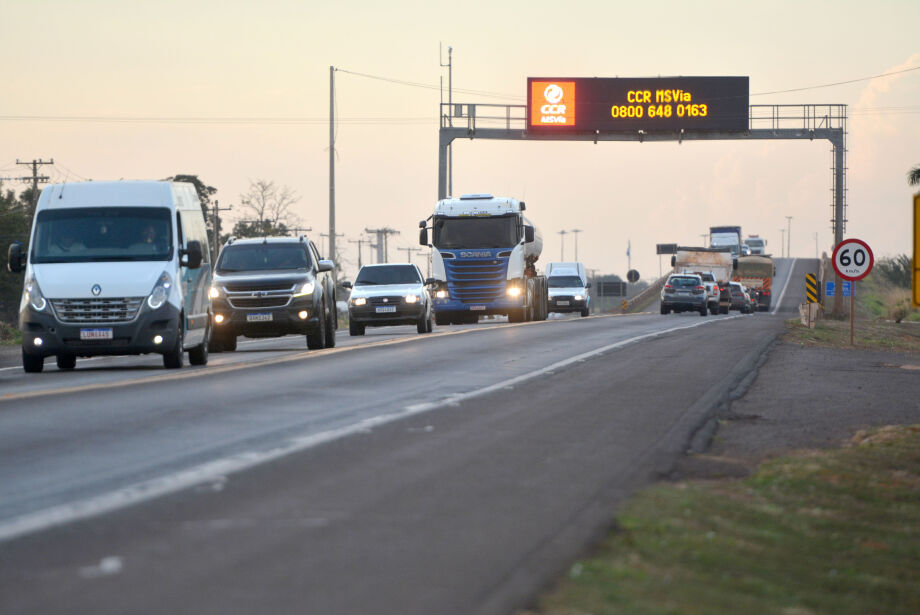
(219, 469)
(783, 292)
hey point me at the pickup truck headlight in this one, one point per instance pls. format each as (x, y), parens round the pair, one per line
(160, 292)
(34, 295)
(214, 292)
(306, 289)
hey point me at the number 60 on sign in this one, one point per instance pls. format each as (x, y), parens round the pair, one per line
(853, 259)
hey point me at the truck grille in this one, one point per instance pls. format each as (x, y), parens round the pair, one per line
(476, 280)
(79, 311)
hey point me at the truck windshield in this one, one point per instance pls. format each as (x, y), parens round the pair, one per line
(263, 257)
(95, 234)
(492, 232)
(393, 274)
(565, 281)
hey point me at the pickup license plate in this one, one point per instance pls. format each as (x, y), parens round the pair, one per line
(562, 303)
(386, 309)
(477, 307)
(259, 317)
(95, 334)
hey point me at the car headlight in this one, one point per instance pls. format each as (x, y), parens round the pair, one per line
(579, 297)
(411, 298)
(306, 289)
(358, 301)
(160, 292)
(34, 295)
(214, 293)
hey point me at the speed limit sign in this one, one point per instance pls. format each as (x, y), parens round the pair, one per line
(853, 259)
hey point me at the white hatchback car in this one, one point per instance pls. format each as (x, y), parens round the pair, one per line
(388, 294)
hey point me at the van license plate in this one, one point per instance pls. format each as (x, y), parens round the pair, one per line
(258, 317)
(386, 309)
(477, 307)
(562, 303)
(95, 334)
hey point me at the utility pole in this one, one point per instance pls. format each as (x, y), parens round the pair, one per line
(331, 243)
(382, 242)
(704, 236)
(409, 252)
(360, 241)
(36, 178)
(782, 241)
(562, 251)
(816, 244)
(332, 164)
(450, 114)
(789, 236)
(576, 231)
(215, 228)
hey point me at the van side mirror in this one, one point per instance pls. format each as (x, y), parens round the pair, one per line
(324, 265)
(192, 252)
(423, 237)
(734, 264)
(528, 234)
(346, 285)
(15, 261)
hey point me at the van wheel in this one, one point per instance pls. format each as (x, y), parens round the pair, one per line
(32, 363)
(316, 339)
(174, 358)
(355, 328)
(199, 354)
(66, 361)
(330, 328)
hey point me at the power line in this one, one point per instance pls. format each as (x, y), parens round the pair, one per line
(836, 83)
(431, 86)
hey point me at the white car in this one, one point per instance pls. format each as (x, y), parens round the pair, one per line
(389, 294)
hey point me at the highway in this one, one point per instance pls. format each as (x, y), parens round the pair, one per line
(456, 472)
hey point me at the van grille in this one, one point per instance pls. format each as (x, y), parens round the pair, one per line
(476, 280)
(79, 311)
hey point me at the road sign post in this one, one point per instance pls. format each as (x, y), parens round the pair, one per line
(853, 260)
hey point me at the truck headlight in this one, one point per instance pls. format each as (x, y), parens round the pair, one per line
(160, 292)
(34, 295)
(358, 301)
(441, 294)
(306, 289)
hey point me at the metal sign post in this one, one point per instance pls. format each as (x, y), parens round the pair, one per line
(853, 260)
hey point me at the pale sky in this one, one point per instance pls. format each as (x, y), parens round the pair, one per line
(270, 59)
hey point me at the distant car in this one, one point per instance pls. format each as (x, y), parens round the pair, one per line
(568, 288)
(269, 287)
(684, 292)
(741, 299)
(388, 294)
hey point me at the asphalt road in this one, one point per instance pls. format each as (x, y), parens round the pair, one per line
(451, 473)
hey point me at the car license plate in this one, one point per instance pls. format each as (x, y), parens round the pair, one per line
(562, 303)
(386, 309)
(477, 307)
(259, 317)
(95, 334)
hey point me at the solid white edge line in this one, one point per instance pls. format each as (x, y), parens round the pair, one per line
(220, 468)
(783, 292)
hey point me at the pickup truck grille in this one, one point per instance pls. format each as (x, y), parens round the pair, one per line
(236, 287)
(88, 311)
(249, 303)
(476, 280)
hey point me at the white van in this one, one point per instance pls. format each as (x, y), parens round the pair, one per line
(115, 268)
(568, 288)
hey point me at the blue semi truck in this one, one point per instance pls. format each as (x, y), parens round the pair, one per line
(483, 260)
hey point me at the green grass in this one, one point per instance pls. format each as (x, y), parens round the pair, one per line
(835, 532)
(868, 335)
(9, 335)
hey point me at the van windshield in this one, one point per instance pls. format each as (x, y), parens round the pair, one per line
(263, 257)
(565, 281)
(97, 234)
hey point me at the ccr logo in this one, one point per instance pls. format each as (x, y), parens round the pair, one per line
(553, 103)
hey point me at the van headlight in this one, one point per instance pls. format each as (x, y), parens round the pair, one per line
(160, 292)
(34, 295)
(306, 289)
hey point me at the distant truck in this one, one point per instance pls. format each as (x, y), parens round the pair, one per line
(716, 261)
(756, 272)
(757, 244)
(483, 260)
(726, 237)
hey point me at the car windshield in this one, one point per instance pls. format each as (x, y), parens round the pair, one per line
(94, 234)
(263, 257)
(565, 281)
(392, 274)
(491, 232)
(684, 282)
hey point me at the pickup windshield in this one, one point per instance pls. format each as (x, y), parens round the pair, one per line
(96, 234)
(491, 232)
(263, 257)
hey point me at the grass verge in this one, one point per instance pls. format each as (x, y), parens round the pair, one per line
(834, 532)
(868, 335)
(9, 335)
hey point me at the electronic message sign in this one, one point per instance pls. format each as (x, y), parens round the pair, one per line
(651, 104)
